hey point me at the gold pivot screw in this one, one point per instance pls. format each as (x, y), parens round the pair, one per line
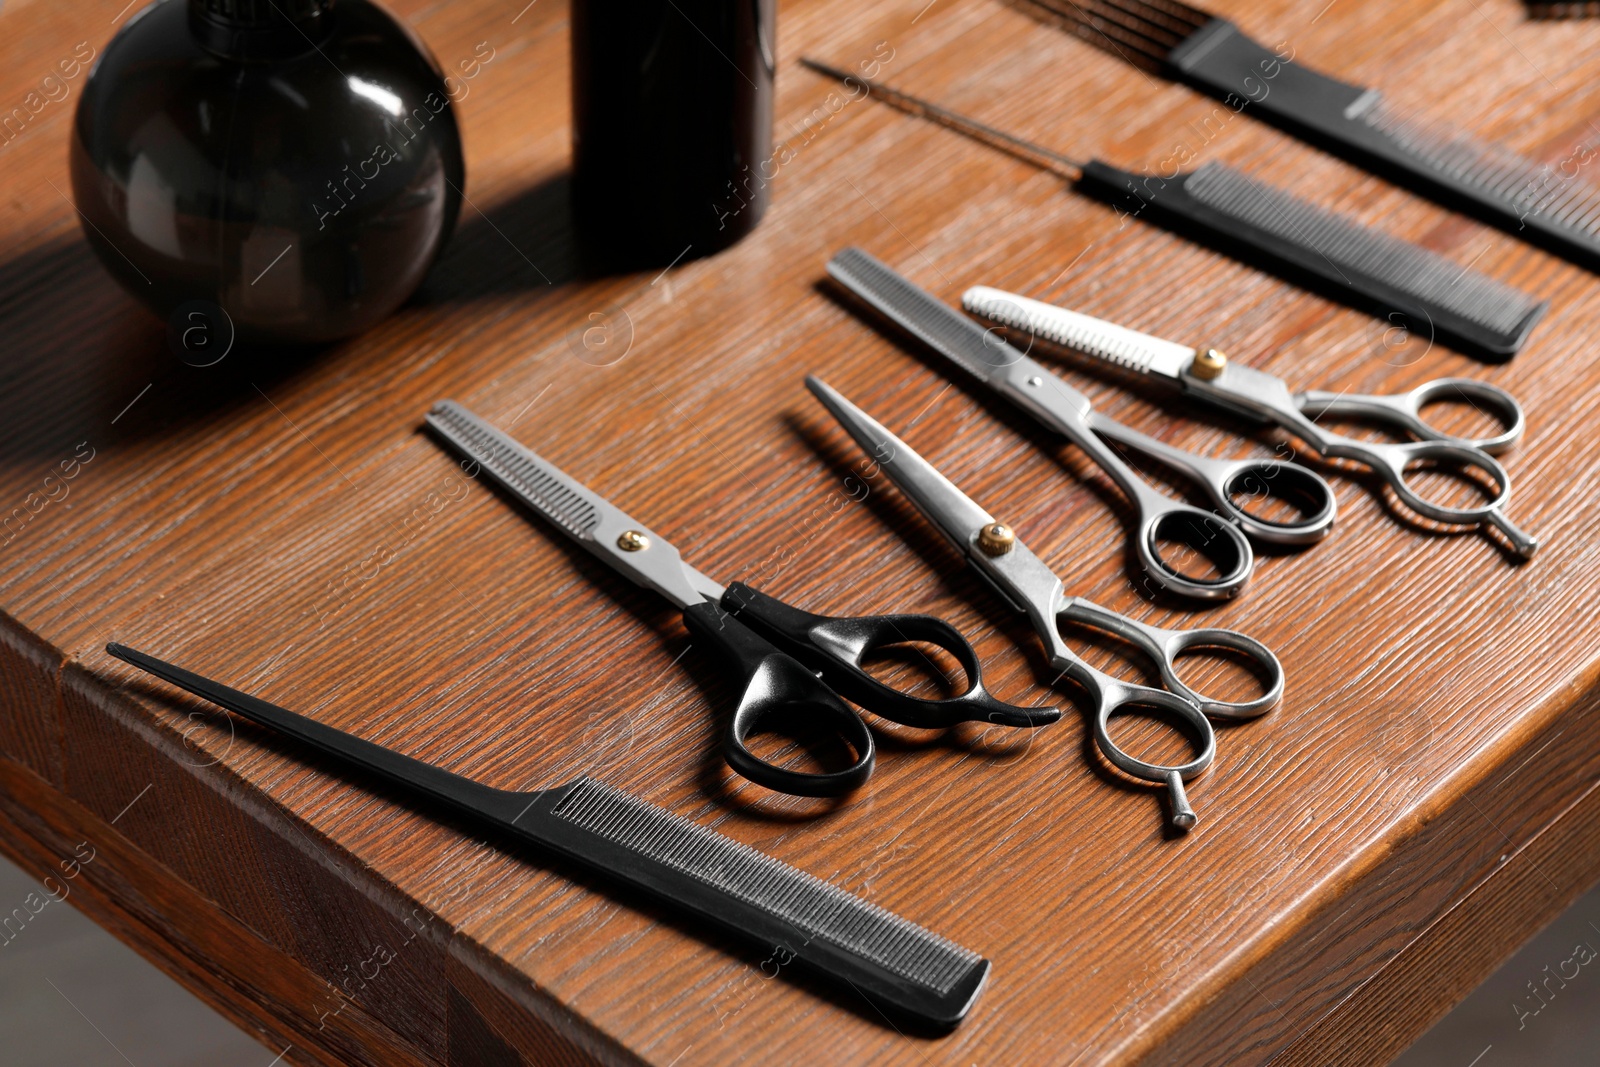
(1208, 364)
(632, 541)
(996, 539)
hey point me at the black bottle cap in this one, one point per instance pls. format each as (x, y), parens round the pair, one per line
(260, 29)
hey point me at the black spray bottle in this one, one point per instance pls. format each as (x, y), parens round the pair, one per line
(290, 166)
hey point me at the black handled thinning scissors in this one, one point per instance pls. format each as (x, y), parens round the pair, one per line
(775, 647)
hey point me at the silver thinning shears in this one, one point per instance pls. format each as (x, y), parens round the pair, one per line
(1210, 375)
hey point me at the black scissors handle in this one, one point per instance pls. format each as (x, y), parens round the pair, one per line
(835, 646)
(775, 686)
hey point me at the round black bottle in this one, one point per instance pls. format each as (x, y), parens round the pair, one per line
(672, 125)
(295, 162)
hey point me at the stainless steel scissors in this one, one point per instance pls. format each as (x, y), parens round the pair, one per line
(774, 647)
(1050, 400)
(1261, 397)
(999, 556)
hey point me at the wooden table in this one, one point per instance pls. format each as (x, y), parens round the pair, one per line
(1423, 800)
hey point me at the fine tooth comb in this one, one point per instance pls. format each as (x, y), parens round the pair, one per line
(1531, 200)
(1581, 9)
(1266, 227)
(892, 961)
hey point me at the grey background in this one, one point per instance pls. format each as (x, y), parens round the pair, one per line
(71, 995)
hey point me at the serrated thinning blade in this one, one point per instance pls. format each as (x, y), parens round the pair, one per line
(1083, 333)
(948, 508)
(538, 483)
(981, 353)
(574, 508)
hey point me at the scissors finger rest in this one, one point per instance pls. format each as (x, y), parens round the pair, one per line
(837, 646)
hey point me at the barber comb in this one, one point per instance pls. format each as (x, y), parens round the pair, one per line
(1269, 228)
(1552, 206)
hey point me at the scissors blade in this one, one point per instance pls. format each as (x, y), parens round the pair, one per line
(948, 508)
(1019, 576)
(573, 508)
(982, 353)
(1083, 333)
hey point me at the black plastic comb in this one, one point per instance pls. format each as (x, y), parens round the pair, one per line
(1268, 228)
(1327, 252)
(1535, 201)
(895, 963)
(1578, 9)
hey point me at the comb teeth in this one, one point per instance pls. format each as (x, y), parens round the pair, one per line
(822, 911)
(954, 335)
(1428, 277)
(1149, 28)
(1526, 188)
(1581, 9)
(517, 469)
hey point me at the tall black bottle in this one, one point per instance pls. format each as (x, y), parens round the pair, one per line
(294, 162)
(672, 125)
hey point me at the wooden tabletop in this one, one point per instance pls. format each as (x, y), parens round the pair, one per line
(1423, 799)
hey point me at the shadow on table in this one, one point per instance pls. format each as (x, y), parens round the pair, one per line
(84, 363)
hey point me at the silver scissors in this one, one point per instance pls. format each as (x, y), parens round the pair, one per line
(1261, 397)
(1219, 538)
(998, 555)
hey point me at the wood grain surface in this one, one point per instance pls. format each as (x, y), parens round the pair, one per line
(1423, 799)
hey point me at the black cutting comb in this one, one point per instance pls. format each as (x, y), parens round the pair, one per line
(893, 962)
(1540, 203)
(1268, 228)
(1582, 9)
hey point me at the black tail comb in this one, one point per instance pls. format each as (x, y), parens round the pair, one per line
(896, 964)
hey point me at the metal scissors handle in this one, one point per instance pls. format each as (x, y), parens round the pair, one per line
(1160, 519)
(1022, 578)
(1264, 396)
(778, 651)
(1110, 696)
(1405, 409)
(1308, 495)
(1025, 582)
